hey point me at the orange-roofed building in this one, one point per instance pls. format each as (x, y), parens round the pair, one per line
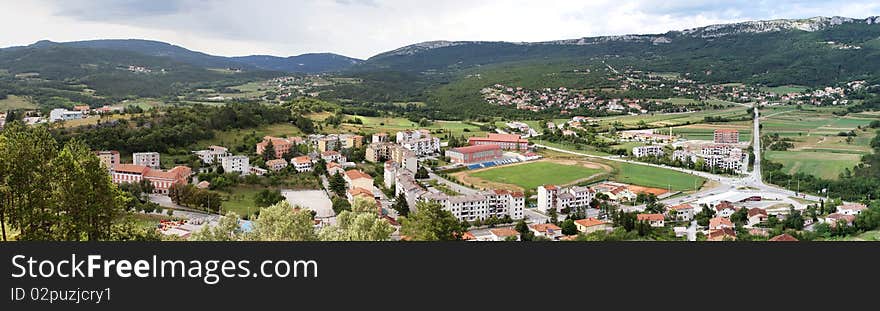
(358, 179)
(655, 220)
(550, 231)
(505, 141)
(720, 223)
(302, 164)
(161, 180)
(501, 234)
(723, 234)
(590, 225)
(355, 193)
(281, 145)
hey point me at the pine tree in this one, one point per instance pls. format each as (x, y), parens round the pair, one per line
(337, 184)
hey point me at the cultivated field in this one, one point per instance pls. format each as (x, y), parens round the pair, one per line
(16, 102)
(655, 177)
(706, 131)
(393, 125)
(818, 149)
(673, 119)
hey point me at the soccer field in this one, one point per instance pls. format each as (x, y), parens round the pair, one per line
(532, 175)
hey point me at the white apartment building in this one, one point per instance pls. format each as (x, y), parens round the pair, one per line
(148, 159)
(302, 164)
(421, 142)
(212, 154)
(648, 151)
(61, 114)
(240, 164)
(482, 205)
(553, 197)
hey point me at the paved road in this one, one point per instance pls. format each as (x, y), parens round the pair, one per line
(752, 180)
(452, 185)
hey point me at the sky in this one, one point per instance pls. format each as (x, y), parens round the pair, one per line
(363, 28)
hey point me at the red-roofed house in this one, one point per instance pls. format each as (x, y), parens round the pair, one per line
(720, 223)
(725, 209)
(276, 164)
(655, 220)
(358, 179)
(546, 230)
(681, 212)
(302, 164)
(332, 156)
(723, 234)
(757, 216)
(590, 225)
(835, 218)
(501, 234)
(851, 209)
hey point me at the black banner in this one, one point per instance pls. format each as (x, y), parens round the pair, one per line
(415, 275)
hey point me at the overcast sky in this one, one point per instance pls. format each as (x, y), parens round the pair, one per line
(362, 28)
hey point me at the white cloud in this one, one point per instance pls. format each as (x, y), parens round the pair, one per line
(361, 28)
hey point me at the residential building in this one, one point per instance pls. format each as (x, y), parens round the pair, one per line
(851, 209)
(82, 108)
(505, 141)
(212, 154)
(616, 192)
(590, 225)
(236, 164)
(502, 234)
(477, 206)
(474, 154)
(722, 234)
(149, 159)
(681, 212)
(550, 231)
(161, 180)
(276, 164)
(421, 142)
(358, 179)
(648, 151)
(362, 193)
(61, 114)
(352, 141)
(757, 216)
(281, 145)
(726, 136)
(109, 158)
(720, 223)
(333, 156)
(302, 164)
(645, 136)
(835, 218)
(333, 168)
(655, 220)
(258, 171)
(381, 137)
(554, 197)
(403, 157)
(725, 209)
(338, 142)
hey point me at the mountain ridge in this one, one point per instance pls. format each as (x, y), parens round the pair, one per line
(304, 63)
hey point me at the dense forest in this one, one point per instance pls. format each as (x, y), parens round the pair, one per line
(174, 127)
